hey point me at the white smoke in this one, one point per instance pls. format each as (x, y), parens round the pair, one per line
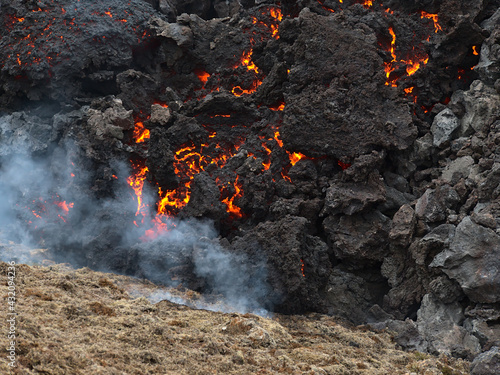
(48, 202)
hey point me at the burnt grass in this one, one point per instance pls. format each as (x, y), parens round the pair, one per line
(78, 321)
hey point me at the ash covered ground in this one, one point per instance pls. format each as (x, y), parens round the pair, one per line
(326, 156)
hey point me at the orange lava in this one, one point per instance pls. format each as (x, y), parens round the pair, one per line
(295, 157)
(276, 138)
(232, 209)
(202, 76)
(278, 107)
(412, 65)
(136, 181)
(238, 91)
(388, 67)
(434, 18)
(140, 132)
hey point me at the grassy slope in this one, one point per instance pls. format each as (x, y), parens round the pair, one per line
(86, 322)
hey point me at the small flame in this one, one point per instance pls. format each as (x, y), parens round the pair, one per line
(474, 51)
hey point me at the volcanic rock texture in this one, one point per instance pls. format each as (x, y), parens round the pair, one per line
(327, 156)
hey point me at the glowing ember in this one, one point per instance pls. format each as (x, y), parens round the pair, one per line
(409, 90)
(434, 18)
(367, 3)
(302, 266)
(343, 165)
(474, 51)
(325, 7)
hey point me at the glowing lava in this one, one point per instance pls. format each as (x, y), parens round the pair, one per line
(388, 67)
(136, 181)
(232, 209)
(140, 132)
(295, 157)
(412, 65)
(246, 60)
(434, 18)
(202, 76)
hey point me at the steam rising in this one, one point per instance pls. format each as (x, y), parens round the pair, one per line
(48, 201)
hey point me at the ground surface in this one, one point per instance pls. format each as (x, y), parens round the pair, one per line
(85, 322)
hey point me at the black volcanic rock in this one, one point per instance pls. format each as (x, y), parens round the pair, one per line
(347, 153)
(338, 105)
(56, 49)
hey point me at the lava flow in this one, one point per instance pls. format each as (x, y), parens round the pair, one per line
(412, 63)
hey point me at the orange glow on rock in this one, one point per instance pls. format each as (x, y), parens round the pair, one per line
(343, 165)
(278, 107)
(367, 3)
(202, 76)
(64, 206)
(434, 18)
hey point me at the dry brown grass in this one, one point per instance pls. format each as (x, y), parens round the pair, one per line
(85, 322)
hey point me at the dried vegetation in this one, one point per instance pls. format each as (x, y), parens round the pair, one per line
(86, 322)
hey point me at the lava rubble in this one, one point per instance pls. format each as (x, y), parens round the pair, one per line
(346, 148)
